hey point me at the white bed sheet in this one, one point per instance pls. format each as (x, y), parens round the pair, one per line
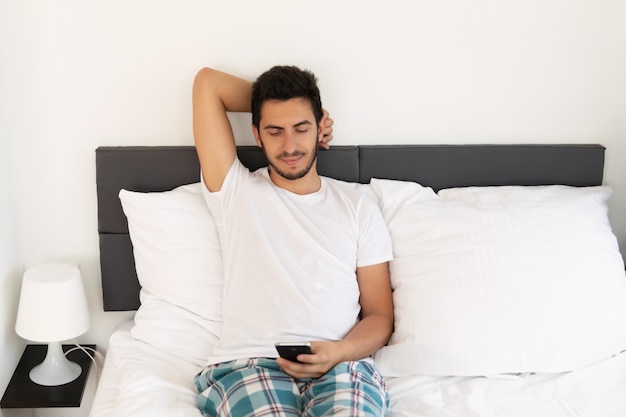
(107, 391)
(139, 380)
(148, 381)
(596, 391)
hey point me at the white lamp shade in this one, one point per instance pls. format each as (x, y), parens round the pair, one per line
(52, 306)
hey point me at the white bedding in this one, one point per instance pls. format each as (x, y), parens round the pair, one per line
(461, 309)
(142, 380)
(596, 391)
(156, 383)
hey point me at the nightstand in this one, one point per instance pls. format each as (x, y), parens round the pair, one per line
(66, 400)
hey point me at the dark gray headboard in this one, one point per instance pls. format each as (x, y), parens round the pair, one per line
(150, 169)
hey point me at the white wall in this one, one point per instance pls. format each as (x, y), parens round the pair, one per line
(79, 74)
(10, 345)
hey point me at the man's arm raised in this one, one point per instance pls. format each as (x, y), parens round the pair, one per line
(214, 94)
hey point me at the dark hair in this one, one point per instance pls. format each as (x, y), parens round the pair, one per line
(284, 83)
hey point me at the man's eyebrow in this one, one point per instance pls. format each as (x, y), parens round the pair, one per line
(267, 127)
(302, 123)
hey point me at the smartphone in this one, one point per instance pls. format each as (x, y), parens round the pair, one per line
(291, 350)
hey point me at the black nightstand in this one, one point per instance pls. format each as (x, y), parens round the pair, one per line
(24, 393)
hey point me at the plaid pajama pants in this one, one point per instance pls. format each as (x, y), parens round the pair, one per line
(257, 387)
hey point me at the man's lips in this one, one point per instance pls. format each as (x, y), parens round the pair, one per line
(291, 160)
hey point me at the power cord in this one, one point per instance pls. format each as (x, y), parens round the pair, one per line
(93, 354)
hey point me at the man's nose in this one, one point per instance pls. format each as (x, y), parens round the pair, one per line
(289, 143)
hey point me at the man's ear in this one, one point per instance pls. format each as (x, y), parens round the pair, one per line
(257, 136)
(320, 129)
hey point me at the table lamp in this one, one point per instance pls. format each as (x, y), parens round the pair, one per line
(52, 309)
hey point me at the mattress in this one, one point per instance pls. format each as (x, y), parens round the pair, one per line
(141, 380)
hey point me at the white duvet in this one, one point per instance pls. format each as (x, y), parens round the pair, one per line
(141, 380)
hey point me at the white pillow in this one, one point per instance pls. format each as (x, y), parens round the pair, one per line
(176, 248)
(179, 265)
(501, 280)
(173, 329)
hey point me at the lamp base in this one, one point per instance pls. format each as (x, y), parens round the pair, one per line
(55, 369)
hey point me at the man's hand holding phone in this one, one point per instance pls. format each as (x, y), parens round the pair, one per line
(291, 350)
(323, 356)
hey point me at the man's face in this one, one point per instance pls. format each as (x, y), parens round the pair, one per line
(288, 135)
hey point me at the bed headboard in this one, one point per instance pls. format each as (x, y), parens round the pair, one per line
(161, 168)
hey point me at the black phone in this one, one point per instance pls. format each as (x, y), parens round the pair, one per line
(291, 350)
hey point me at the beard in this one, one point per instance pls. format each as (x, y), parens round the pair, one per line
(292, 175)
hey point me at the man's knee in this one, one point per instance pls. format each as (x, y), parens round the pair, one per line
(351, 388)
(247, 388)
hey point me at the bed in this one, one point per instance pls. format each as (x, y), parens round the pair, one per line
(509, 287)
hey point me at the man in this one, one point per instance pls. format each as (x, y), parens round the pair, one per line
(305, 258)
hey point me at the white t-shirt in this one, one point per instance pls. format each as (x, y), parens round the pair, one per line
(290, 261)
